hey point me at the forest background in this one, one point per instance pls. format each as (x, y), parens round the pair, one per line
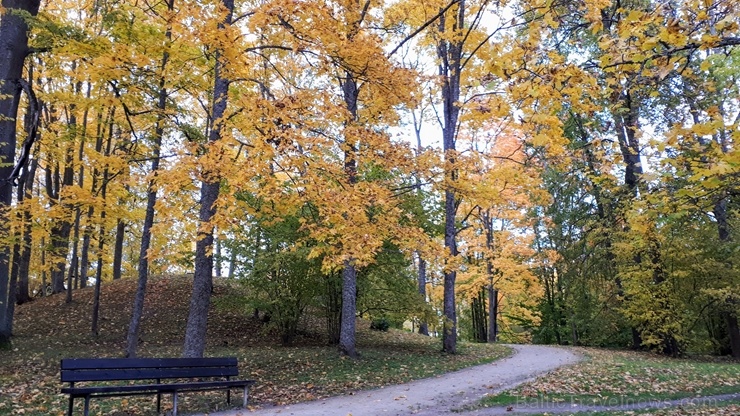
(556, 171)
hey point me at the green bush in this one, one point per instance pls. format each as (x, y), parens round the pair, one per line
(380, 324)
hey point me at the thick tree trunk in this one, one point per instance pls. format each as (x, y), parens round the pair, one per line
(349, 311)
(13, 51)
(492, 313)
(195, 334)
(450, 54)
(347, 334)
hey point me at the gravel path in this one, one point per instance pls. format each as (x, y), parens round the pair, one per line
(432, 396)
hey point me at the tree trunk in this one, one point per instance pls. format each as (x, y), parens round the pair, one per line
(734, 333)
(195, 334)
(101, 238)
(85, 252)
(349, 311)
(42, 291)
(13, 51)
(73, 275)
(730, 317)
(132, 339)
(492, 313)
(25, 260)
(347, 344)
(25, 191)
(22, 247)
(423, 326)
(86, 235)
(219, 259)
(118, 249)
(13, 286)
(62, 228)
(232, 263)
(333, 307)
(98, 275)
(450, 54)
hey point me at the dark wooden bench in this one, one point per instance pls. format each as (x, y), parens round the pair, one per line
(210, 374)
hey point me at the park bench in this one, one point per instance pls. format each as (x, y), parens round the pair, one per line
(182, 375)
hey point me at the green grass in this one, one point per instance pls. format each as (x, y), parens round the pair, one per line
(614, 377)
(730, 408)
(47, 330)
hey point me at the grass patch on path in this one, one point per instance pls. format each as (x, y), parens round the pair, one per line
(615, 377)
(47, 330)
(727, 409)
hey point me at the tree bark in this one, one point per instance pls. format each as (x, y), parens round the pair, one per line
(25, 259)
(347, 344)
(195, 335)
(132, 339)
(118, 248)
(62, 228)
(22, 247)
(422, 281)
(13, 51)
(85, 252)
(450, 54)
(101, 238)
(73, 274)
(492, 313)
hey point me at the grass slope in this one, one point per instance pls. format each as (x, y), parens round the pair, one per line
(47, 330)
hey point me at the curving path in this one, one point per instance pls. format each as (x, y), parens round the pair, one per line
(432, 396)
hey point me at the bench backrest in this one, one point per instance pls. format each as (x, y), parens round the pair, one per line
(107, 369)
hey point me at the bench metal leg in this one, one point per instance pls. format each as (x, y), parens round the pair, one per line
(246, 396)
(71, 405)
(174, 403)
(228, 396)
(87, 405)
(159, 399)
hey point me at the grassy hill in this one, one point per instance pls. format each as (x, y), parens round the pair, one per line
(47, 330)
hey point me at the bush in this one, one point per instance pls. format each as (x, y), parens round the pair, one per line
(380, 324)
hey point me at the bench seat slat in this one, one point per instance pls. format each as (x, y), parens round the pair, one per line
(145, 374)
(156, 388)
(113, 363)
